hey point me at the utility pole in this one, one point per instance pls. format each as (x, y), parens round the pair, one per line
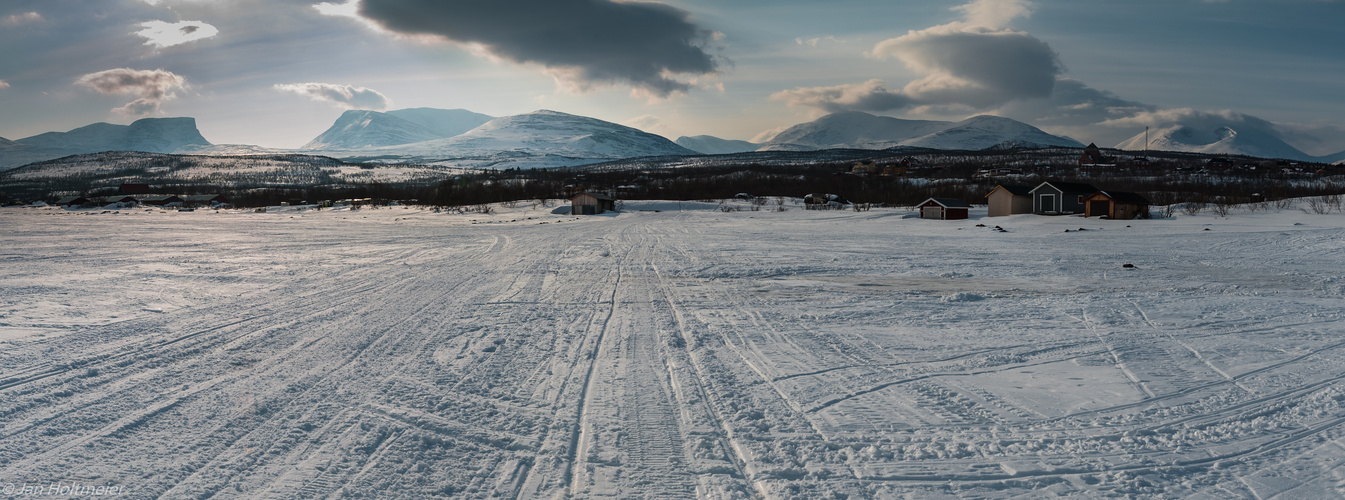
(1146, 142)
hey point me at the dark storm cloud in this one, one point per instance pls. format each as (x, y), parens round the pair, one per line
(976, 68)
(587, 41)
(976, 63)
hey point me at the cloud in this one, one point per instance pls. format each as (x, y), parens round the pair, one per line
(152, 87)
(4, 84)
(1319, 139)
(345, 96)
(870, 96)
(1073, 108)
(768, 135)
(992, 13)
(815, 41)
(582, 43)
(1187, 117)
(164, 34)
(975, 63)
(24, 18)
(645, 123)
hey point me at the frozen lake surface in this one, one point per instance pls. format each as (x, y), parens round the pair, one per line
(399, 352)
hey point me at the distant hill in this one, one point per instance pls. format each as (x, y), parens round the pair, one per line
(858, 130)
(1231, 137)
(981, 132)
(153, 135)
(853, 130)
(570, 139)
(359, 129)
(712, 145)
(443, 122)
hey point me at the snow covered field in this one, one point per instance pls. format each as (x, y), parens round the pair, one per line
(398, 352)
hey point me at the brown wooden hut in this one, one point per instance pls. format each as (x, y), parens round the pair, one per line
(1116, 205)
(591, 204)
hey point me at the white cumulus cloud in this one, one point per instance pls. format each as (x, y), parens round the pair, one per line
(345, 96)
(164, 34)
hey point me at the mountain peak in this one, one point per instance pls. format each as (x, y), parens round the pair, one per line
(358, 128)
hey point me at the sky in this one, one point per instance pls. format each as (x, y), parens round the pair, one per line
(276, 73)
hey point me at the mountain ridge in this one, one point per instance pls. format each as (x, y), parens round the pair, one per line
(546, 132)
(711, 145)
(859, 130)
(360, 129)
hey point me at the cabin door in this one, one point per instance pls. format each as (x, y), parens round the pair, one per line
(1047, 202)
(1099, 208)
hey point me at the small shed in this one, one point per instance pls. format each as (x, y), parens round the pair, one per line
(1116, 205)
(1052, 197)
(944, 209)
(1009, 199)
(591, 204)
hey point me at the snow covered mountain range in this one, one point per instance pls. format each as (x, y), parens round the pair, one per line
(1223, 138)
(551, 139)
(153, 135)
(357, 129)
(542, 133)
(854, 129)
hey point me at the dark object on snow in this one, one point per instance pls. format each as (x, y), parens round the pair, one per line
(1207, 229)
(1128, 265)
(823, 199)
(980, 225)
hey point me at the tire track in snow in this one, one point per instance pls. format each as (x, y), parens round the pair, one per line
(579, 434)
